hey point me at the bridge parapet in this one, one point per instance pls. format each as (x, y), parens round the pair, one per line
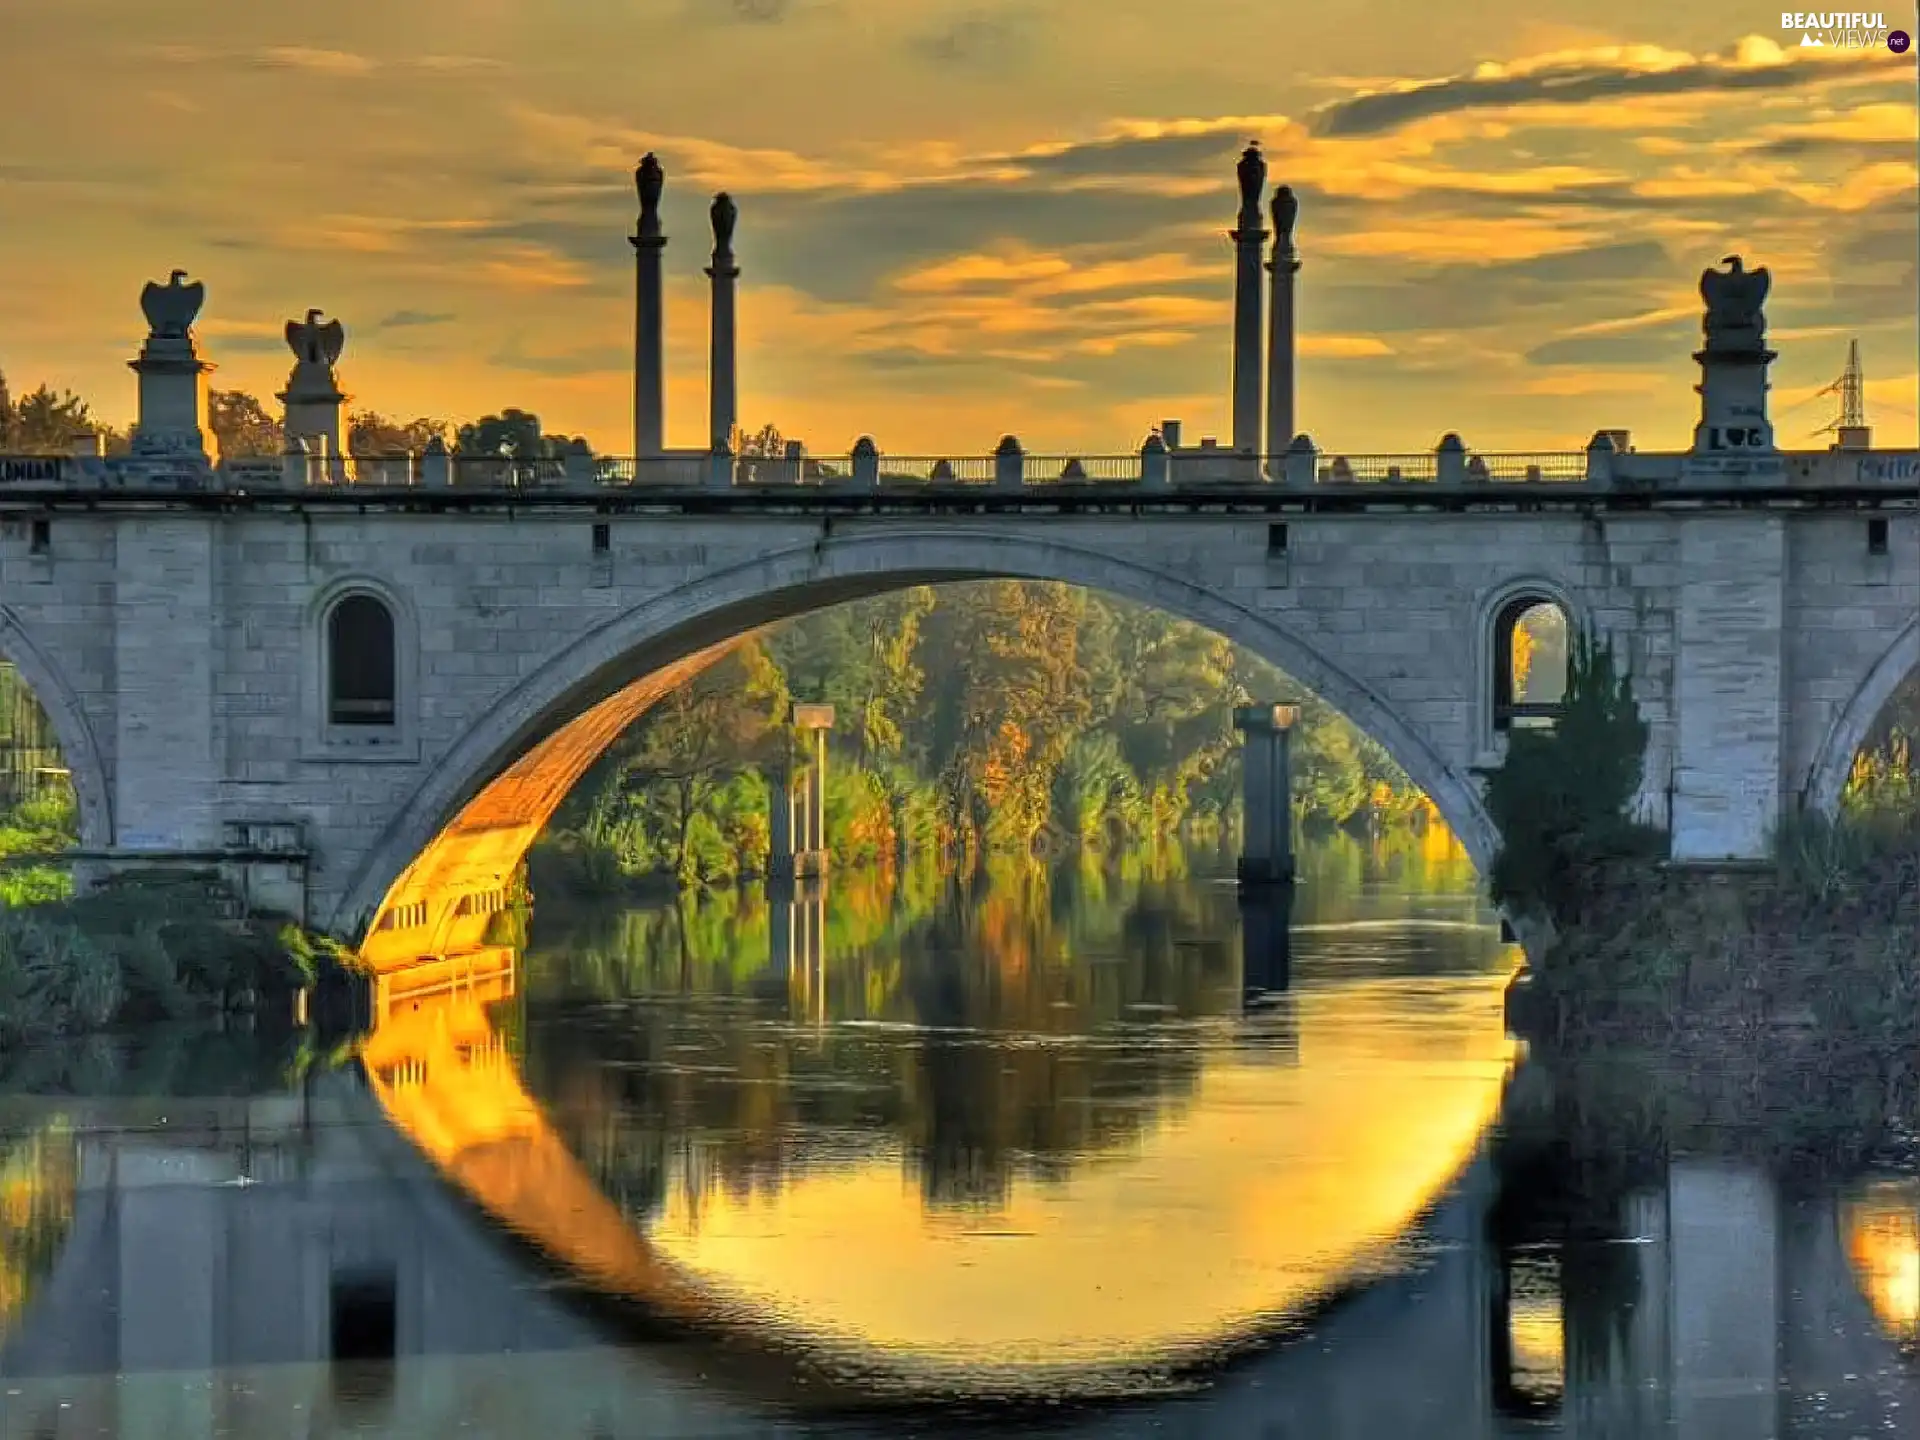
(1194, 468)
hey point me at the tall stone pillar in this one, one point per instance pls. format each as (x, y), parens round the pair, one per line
(649, 313)
(812, 857)
(173, 377)
(1284, 265)
(723, 402)
(1266, 852)
(313, 398)
(780, 823)
(1247, 237)
(1734, 436)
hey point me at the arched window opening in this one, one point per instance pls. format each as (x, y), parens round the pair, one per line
(1529, 663)
(360, 663)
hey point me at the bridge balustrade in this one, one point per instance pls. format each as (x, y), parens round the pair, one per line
(1192, 468)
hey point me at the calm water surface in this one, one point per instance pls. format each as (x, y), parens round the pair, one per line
(1103, 1150)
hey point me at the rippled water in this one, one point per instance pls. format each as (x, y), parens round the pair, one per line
(1103, 1150)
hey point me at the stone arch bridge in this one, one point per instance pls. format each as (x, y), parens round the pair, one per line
(366, 684)
(188, 646)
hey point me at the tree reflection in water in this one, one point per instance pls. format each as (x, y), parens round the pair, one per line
(1106, 977)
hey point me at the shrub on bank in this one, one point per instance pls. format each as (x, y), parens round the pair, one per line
(138, 949)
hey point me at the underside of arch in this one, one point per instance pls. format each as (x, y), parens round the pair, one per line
(1827, 778)
(481, 806)
(86, 769)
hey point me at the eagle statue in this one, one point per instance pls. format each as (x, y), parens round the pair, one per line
(723, 214)
(171, 308)
(316, 344)
(1734, 296)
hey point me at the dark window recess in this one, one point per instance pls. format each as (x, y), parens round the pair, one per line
(41, 538)
(602, 537)
(365, 1332)
(360, 663)
(1277, 539)
(1877, 535)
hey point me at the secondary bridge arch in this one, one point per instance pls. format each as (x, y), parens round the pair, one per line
(478, 808)
(86, 767)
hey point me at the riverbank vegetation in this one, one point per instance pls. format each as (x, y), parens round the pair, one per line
(139, 949)
(1802, 973)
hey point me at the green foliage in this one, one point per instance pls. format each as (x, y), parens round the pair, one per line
(241, 425)
(1059, 715)
(1562, 799)
(139, 948)
(511, 432)
(43, 421)
(370, 433)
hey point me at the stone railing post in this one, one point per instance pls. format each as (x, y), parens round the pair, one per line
(1450, 460)
(720, 466)
(436, 465)
(293, 463)
(577, 467)
(866, 463)
(1301, 466)
(1600, 461)
(1009, 464)
(1156, 466)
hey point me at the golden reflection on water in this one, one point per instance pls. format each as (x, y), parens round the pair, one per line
(1275, 1185)
(1882, 1229)
(1273, 1180)
(38, 1174)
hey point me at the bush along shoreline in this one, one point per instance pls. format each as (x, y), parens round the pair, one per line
(1803, 972)
(153, 947)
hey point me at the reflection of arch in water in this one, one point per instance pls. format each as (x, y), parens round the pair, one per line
(442, 1076)
(480, 806)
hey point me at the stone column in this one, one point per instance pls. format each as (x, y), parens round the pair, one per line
(1266, 851)
(649, 313)
(723, 402)
(810, 858)
(780, 822)
(1247, 239)
(313, 398)
(1734, 431)
(173, 377)
(1284, 265)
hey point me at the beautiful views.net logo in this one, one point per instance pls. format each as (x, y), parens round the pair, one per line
(1843, 29)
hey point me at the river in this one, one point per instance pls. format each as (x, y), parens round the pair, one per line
(1102, 1150)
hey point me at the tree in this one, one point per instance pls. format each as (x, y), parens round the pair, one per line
(43, 421)
(700, 733)
(241, 424)
(514, 432)
(370, 433)
(1562, 799)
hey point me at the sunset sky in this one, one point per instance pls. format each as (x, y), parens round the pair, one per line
(960, 218)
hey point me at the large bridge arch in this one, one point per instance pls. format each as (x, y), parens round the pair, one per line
(510, 770)
(86, 768)
(1827, 778)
